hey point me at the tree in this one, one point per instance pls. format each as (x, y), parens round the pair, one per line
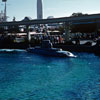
(61, 29)
(78, 14)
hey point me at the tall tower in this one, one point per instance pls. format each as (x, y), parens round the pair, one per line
(5, 11)
(39, 9)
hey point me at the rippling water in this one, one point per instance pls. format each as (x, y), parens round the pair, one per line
(25, 76)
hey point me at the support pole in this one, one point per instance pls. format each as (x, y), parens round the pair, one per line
(28, 34)
(67, 32)
(97, 30)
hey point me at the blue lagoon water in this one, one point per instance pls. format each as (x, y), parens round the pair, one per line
(25, 76)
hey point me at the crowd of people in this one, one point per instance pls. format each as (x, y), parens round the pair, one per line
(53, 38)
(36, 39)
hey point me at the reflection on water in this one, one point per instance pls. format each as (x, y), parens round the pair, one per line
(25, 76)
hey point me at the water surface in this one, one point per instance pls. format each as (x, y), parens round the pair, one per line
(25, 76)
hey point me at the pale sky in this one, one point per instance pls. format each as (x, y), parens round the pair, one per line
(56, 8)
